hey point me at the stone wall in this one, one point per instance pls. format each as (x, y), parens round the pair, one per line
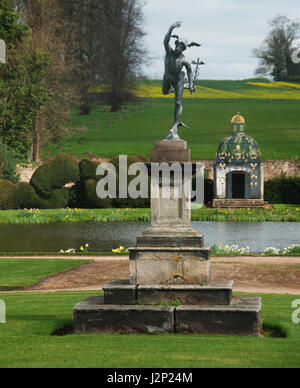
(26, 172)
(272, 168)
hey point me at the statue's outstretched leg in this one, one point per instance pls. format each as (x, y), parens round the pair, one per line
(173, 135)
(166, 87)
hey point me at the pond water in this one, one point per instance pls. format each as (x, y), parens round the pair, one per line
(107, 236)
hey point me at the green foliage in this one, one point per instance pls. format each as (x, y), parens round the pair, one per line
(208, 189)
(23, 93)
(283, 190)
(8, 164)
(11, 31)
(56, 199)
(88, 169)
(55, 173)
(282, 214)
(7, 195)
(91, 196)
(26, 197)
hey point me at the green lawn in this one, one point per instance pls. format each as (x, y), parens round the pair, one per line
(16, 274)
(274, 125)
(26, 340)
(280, 213)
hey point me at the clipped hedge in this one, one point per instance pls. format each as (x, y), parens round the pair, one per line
(7, 195)
(8, 164)
(88, 169)
(283, 190)
(54, 174)
(56, 199)
(92, 200)
(208, 189)
(130, 160)
(26, 197)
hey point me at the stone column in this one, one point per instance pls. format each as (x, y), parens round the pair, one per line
(170, 252)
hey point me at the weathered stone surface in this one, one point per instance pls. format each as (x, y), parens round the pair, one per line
(216, 293)
(169, 266)
(120, 292)
(242, 318)
(92, 316)
(238, 203)
(170, 237)
(170, 151)
(272, 168)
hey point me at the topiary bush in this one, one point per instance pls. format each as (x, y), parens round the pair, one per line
(56, 199)
(130, 160)
(208, 189)
(8, 164)
(88, 169)
(283, 190)
(7, 195)
(26, 197)
(54, 174)
(92, 200)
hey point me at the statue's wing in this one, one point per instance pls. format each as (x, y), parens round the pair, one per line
(193, 44)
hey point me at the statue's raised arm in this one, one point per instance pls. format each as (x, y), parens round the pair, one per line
(169, 35)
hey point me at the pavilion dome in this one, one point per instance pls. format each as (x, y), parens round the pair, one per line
(239, 147)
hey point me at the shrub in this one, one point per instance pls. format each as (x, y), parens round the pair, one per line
(130, 160)
(56, 199)
(92, 199)
(88, 169)
(54, 174)
(208, 189)
(283, 190)
(7, 195)
(26, 197)
(8, 164)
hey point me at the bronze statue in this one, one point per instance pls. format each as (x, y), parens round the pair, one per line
(174, 77)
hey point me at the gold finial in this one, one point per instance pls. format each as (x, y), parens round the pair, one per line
(238, 119)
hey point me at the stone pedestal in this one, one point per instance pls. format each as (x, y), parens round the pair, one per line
(169, 290)
(170, 252)
(169, 266)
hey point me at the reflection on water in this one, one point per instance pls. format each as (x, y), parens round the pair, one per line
(106, 236)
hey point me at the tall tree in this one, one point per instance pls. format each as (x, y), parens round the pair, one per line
(49, 34)
(275, 54)
(22, 90)
(124, 53)
(84, 44)
(107, 46)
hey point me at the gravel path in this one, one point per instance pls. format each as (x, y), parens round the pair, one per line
(278, 275)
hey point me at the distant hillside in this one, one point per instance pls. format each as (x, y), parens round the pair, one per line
(253, 89)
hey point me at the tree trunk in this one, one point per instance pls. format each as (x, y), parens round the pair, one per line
(36, 141)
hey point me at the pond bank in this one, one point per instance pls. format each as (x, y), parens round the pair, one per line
(280, 213)
(104, 237)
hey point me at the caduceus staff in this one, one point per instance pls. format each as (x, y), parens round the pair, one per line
(174, 77)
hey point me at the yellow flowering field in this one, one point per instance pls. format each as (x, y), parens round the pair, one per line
(227, 90)
(272, 91)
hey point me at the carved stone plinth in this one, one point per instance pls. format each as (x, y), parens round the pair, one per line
(169, 266)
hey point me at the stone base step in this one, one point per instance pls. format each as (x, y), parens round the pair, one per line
(238, 203)
(121, 292)
(241, 318)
